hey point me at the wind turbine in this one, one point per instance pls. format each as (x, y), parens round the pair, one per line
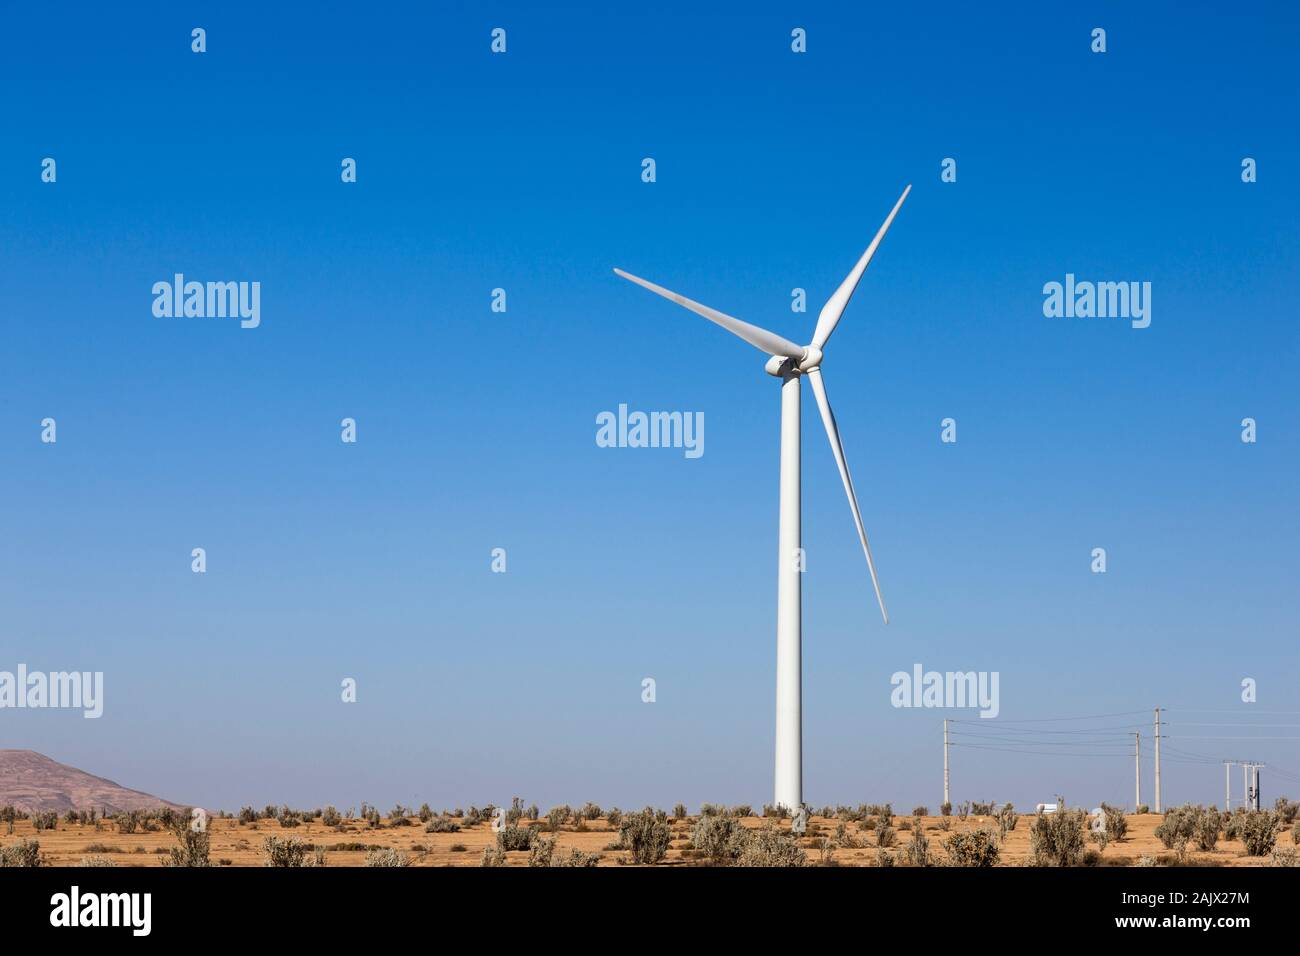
(790, 363)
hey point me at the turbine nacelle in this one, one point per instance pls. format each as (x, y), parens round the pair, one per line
(781, 365)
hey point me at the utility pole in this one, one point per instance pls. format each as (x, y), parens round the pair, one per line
(1157, 760)
(1227, 787)
(945, 760)
(1137, 770)
(1252, 799)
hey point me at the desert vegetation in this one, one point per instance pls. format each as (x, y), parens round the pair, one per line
(978, 834)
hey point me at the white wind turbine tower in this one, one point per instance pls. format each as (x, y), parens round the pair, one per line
(790, 362)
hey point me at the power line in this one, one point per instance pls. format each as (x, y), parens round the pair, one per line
(1041, 743)
(1266, 713)
(1043, 720)
(1118, 730)
(1038, 752)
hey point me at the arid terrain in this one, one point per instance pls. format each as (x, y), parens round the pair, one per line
(80, 819)
(236, 844)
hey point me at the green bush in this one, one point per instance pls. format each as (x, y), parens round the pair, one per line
(330, 817)
(442, 825)
(920, 811)
(45, 820)
(679, 812)
(945, 809)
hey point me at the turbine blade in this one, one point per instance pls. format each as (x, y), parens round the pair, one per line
(769, 342)
(833, 433)
(834, 307)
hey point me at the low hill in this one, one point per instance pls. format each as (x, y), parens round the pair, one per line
(32, 782)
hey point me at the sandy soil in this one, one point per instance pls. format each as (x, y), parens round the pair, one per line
(235, 844)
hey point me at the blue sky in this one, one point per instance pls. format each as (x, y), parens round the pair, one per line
(477, 429)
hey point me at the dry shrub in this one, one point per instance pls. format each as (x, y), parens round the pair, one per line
(289, 852)
(977, 848)
(721, 839)
(512, 837)
(771, 847)
(646, 834)
(1259, 832)
(1057, 839)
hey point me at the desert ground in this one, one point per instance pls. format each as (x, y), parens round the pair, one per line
(236, 844)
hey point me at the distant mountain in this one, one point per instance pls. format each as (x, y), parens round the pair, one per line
(32, 781)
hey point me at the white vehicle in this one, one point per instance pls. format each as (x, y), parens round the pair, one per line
(1046, 808)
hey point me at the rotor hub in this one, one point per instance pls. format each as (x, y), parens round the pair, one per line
(780, 366)
(812, 358)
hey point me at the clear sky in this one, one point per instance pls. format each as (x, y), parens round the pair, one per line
(476, 429)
